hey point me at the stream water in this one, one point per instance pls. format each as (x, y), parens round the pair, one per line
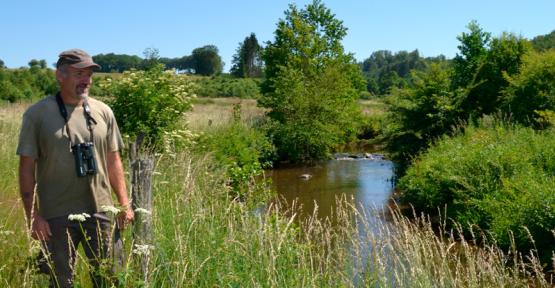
(366, 180)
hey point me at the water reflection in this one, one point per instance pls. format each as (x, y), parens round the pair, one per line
(368, 182)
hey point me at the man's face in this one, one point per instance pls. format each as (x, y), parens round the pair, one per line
(75, 82)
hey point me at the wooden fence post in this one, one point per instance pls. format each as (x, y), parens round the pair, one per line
(142, 166)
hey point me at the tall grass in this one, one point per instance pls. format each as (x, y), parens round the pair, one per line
(15, 269)
(202, 238)
(211, 113)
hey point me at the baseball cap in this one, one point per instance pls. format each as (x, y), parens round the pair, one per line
(76, 58)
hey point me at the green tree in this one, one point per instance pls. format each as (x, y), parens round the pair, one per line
(181, 63)
(443, 97)
(385, 70)
(504, 58)
(2, 65)
(247, 61)
(472, 53)
(117, 62)
(152, 58)
(206, 60)
(533, 89)
(544, 42)
(312, 85)
(480, 66)
(38, 63)
(9, 92)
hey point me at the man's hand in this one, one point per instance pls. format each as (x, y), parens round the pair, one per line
(40, 230)
(117, 181)
(125, 218)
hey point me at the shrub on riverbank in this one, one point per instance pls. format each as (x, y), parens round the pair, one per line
(242, 151)
(496, 176)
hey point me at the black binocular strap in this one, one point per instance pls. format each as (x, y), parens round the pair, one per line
(87, 111)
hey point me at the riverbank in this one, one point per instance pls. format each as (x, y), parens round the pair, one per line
(496, 179)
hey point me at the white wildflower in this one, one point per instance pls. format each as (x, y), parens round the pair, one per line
(111, 209)
(6, 232)
(142, 211)
(78, 217)
(142, 249)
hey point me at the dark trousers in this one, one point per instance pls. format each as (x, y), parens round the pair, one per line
(95, 236)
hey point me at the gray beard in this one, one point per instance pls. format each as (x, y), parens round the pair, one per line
(81, 96)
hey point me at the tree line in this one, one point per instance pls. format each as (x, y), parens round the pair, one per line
(204, 60)
(383, 70)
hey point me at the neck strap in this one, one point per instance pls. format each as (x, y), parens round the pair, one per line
(87, 113)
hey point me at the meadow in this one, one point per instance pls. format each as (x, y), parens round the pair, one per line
(205, 238)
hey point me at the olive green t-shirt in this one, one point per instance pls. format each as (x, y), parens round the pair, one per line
(44, 138)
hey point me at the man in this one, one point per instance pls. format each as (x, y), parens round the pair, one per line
(69, 149)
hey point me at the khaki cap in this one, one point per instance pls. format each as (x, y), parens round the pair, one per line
(76, 58)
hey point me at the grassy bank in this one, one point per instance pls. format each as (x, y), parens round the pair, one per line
(497, 177)
(203, 238)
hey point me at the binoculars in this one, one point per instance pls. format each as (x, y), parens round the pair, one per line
(85, 162)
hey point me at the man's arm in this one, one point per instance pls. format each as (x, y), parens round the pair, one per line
(117, 181)
(40, 229)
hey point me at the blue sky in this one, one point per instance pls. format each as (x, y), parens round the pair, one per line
(41, 29)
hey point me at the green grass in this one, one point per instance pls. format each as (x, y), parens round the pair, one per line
(212, 113)
(205, 239)
(374, 107)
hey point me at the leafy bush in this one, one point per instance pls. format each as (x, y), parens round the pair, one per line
(9, 92)
(151, 103)
(421, 113)
(370, 126)
(243, 151)
(26, 83)
(497, 176)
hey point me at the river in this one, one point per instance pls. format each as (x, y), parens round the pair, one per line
(366, 180)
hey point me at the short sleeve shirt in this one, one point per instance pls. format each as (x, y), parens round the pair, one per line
(44, 137)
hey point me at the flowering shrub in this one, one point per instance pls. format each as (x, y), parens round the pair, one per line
(151, 103)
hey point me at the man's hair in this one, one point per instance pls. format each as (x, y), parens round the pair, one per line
(63, 69)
